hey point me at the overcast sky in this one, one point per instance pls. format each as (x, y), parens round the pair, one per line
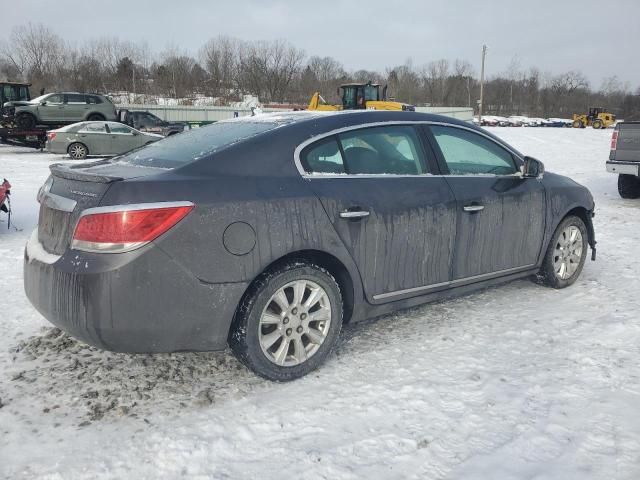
(600, 38)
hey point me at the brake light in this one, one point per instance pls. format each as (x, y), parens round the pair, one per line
(614, 141)
(51, 135)
(123, 228)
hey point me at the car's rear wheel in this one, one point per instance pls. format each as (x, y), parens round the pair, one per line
(25, 120)
(288, 322)
(629, 186)
(78, 151)
(566, 254)
(95, 117)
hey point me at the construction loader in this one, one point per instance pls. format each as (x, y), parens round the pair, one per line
(596, 118)
(359, 96)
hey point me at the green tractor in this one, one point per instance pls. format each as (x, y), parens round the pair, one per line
(12, 92)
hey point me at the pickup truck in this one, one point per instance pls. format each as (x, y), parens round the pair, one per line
(624, 158)
(149, 123)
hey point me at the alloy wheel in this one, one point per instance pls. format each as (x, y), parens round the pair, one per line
(77, 151)
(295, 323)
(568, 252)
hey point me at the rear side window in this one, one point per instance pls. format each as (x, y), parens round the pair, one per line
(324, 157)
(178, 150)
(73, 98)
(93, 127)
(393, 150)
(469, 153)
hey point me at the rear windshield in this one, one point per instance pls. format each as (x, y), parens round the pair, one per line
(178, 150)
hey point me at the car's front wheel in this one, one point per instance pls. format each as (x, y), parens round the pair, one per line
(95, 117)
(288, 322)
(25, 121)
(566, 254)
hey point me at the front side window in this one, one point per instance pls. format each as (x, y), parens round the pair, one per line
(93, 99)
(55, 99)
(393, 150)
(119, 128)
(469, 153)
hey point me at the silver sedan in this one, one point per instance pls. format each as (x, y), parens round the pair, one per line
(97, 138)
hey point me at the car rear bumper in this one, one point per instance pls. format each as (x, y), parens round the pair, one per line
(140, 302)
(624, 168)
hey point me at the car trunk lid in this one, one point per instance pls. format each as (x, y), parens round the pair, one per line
(71, 190)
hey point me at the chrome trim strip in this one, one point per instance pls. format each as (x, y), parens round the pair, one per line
(134, 206)
(306, 175)
(352, 214)
(452, 283)
(57, 202)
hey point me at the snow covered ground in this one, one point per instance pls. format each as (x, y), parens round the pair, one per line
(514, 382)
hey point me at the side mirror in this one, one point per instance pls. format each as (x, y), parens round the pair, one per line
(43, 103)
(532, 168)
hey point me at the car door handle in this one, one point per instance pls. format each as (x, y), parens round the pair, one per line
(354, 214)
(473, 208)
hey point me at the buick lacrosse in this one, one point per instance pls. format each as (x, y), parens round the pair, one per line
(267, 233)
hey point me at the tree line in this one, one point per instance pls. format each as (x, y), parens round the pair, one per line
(226, 68)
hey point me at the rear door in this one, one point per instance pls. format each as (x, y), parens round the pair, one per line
(396, 219)
(76, 107)
(500, 214)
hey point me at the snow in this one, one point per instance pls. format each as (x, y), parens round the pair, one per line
(514, 382)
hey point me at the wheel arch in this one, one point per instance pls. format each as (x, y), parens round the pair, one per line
(323, 259)
(585, 215)
(80, 143)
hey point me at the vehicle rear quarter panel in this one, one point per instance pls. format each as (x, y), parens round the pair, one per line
(276, 202)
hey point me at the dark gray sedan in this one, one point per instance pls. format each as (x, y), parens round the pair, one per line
(268, 233)
(97, 138)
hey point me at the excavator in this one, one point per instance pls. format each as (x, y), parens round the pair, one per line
(359, 96)
(597, 118)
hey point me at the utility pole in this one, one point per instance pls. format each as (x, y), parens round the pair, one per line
(484, 53)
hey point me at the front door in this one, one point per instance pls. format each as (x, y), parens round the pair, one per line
(501, 215)
(53, 109)
(396, 220)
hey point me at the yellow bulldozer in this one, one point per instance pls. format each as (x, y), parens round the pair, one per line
(359, 96)
(597, 118)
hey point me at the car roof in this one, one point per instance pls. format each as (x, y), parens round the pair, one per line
(345, 118)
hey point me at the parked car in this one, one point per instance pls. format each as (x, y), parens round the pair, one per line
(62, 108)
(624, 158)
(267, 233)
(148, 122)
(97, 138)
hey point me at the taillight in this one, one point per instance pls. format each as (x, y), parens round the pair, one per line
(614, 140)
(51, 135)
(123, 228)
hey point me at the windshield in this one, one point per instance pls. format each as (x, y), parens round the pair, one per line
(40, 98)
(187, 147)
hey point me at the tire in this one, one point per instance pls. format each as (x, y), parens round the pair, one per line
(577, 124)
(597, 124)
(78, 151)
(551, 273)
(629, 186)
(261, 345)
(95, 117)
(25, 121)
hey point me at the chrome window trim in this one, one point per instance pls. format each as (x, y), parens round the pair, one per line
(311, 176)
(450, 283)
